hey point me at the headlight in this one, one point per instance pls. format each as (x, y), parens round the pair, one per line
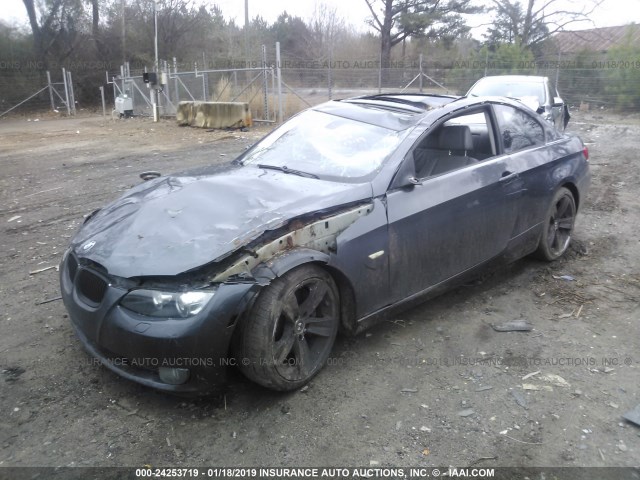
(156, 303)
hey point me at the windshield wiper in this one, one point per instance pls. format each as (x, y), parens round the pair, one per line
(286, 169)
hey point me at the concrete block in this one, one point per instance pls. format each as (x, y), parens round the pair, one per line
(214, 114)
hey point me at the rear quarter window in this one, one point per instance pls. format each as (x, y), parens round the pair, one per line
(518, 129)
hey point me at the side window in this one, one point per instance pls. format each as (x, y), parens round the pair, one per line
(518, 129)
(456, 143)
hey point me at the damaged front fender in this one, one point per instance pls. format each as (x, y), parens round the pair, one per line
(314, 241)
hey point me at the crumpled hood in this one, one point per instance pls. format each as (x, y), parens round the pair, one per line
(174, 224)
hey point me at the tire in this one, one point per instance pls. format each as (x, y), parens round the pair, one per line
(291, 328)
(558, 226)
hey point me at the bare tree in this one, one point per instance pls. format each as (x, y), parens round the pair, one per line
(397, 20)
(326, 27)
(529, 22)
(40, 29)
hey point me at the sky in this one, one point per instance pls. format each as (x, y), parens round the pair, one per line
(609, 13)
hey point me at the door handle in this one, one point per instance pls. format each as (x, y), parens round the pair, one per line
(506, 176)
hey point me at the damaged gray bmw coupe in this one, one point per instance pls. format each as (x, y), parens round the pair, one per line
(344, 213)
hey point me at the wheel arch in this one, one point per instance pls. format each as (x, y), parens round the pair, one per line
(569, 185)
(290, 259)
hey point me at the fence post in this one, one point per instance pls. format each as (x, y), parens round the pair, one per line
(420, 64)
(265, 83)
(486, 62)
(175, 80)
(115, 92)
(122, 76)
(66, 91)
(329, 77)
(273, 86)
(53, 105)
(380, 74)
(72, 97)
(558, 70)
(279, 74)
(104, 105)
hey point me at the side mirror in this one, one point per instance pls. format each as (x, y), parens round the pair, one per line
(406, 175)
(557, 102)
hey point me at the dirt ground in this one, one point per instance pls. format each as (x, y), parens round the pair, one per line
(435, 386)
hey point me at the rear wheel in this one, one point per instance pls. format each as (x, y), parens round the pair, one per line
(291, 329)
(558, 226)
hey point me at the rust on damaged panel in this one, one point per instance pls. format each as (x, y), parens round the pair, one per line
(319, 235)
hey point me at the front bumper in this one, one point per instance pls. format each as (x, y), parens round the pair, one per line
(136, 346)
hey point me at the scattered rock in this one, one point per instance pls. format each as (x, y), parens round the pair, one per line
(409, 390)
(519, 398)
(513, 326)
(566, 278)
(484, 388)
(12, 373)
(554, 379)
(466, 412)
(531, 386)
(633, 416)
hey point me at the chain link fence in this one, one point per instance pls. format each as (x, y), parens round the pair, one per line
(34, 91)
(274, 85)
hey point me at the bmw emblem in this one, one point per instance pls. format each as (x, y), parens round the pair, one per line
(88, 246)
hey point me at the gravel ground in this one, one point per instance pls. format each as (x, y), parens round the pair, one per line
(434, 386)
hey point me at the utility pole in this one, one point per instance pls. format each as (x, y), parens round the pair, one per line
(124, 37)
(246, 36)
(156, 109)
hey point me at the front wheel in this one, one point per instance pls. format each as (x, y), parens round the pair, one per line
(558, 226)
(290, 330)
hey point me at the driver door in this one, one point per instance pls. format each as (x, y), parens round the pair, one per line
(452, 220)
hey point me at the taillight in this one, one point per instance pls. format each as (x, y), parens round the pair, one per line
(585, 152)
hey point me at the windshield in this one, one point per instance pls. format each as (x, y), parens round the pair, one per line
(510, 89)
(326, 145)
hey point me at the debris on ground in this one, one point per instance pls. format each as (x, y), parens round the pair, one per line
(529, 375)
(531, 386)
(40, 270)
(12, 373)
(49, 300)
(513, 326)
(633, 416)
(554, 379)
(520, 400)
(149, 175)
(409, 390)
(566, 278)
(484, 388)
